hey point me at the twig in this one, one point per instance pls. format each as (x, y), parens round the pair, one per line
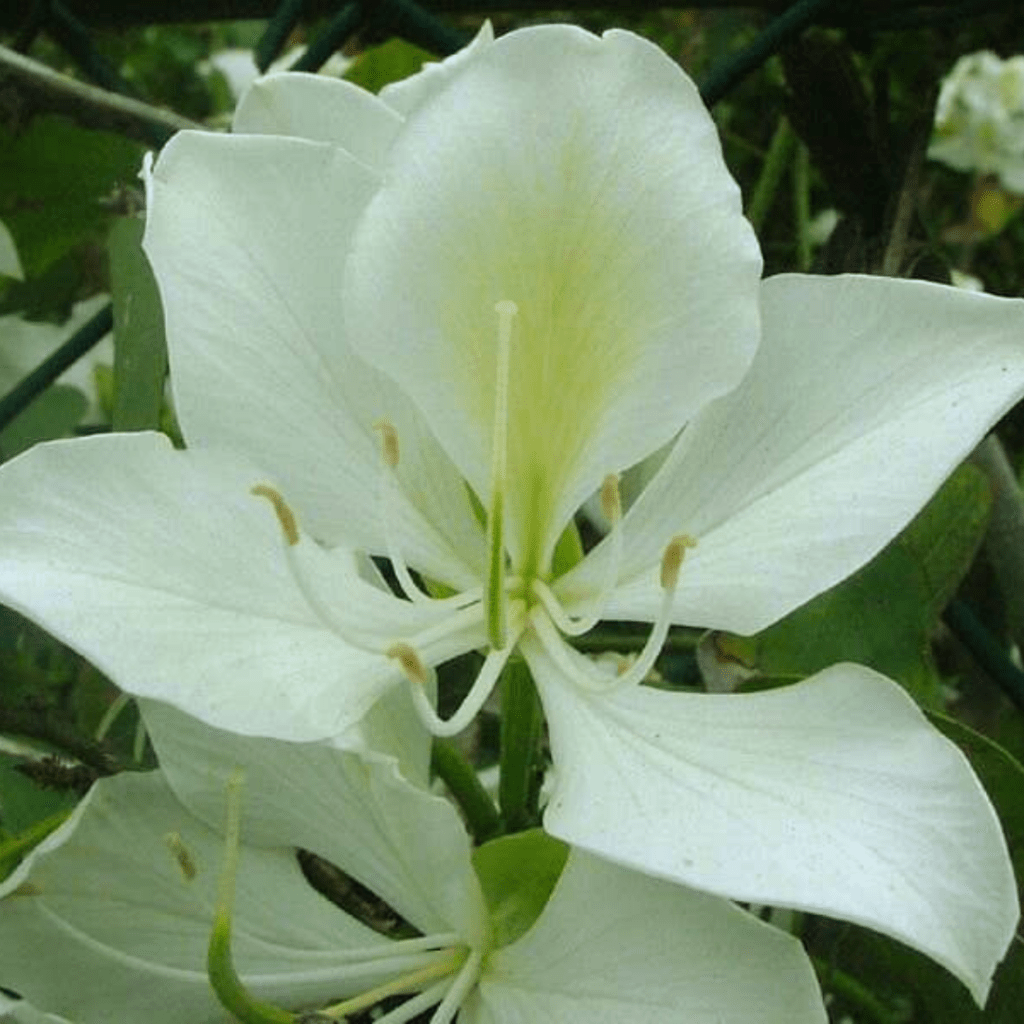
(27, 86)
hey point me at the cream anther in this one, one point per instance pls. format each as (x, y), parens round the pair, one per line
(611, 502)
(672, 559)
(389, 501)
(285, 516)
(389, 442)
(410, 662)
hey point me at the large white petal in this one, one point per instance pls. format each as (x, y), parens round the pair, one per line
(354, 810)
(320, 109)
(110, 917)
(615, 947)
(165, 571)
(864, 395)
(582, 179)
(833, 795)
(247, 236)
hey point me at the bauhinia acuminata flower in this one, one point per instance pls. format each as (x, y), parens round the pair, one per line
(111, 917)
(427, 327)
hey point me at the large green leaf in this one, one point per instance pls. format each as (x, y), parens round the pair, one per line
(58, 180)
(884, 615)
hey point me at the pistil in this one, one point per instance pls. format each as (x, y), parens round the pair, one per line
(495, 596)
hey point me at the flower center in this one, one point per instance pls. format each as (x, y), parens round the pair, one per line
(507, 604)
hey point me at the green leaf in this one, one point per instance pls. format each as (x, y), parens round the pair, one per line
(58, 179)
(517, 874)
(389, 62)
(55, 413)
(882, 616)
(23, 802)
(140, 351)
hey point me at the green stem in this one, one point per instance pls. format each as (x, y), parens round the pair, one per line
(802, 207)
(464, 784)
(767, 186)
(853, 992)
(521, 724)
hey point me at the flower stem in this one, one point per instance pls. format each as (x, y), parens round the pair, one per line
(521, 725)
(779, 154)
(854, 993)
(464, 784)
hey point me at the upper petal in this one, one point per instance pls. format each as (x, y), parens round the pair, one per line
(833, 795)
(321, 109)
(164, 570)
(615, 947)
(864, 394)
(247, 236)
(582, 179)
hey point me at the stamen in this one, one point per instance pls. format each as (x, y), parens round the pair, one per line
(460, 988)
(220, 967)
(672, 559)
(182, 855)
(475, 699)
(495, 599)
(285, 516)
(447, 964)
(416, 1005)
(562, 654)
(611, 505)
(389, 442)
(412, 665)
(388, 501)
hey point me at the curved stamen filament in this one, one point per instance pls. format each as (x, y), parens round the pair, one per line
(388, 501)
(595, 681)
(466, 607)
(611, 505)
(415, 1005)
(459, 989)
(422, 682)
(495, 599)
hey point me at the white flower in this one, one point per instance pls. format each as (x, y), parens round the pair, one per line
(110, 918)
(518, 274)
(979, 118)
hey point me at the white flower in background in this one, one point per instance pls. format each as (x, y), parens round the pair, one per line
(238, 66)
(428, 326)
(979, 118)
(110, 918)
